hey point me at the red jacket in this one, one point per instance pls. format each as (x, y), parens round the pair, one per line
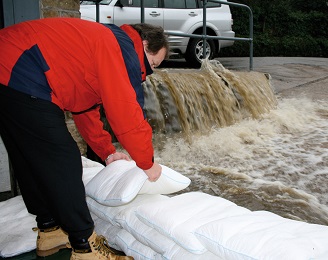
(77, 64)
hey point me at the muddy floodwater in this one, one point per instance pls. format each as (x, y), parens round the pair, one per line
(277, 163)
(234, 137)
(261, 151)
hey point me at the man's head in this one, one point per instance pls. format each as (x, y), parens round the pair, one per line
(155, 42)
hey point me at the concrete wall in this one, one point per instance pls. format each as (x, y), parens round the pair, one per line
(4, 169)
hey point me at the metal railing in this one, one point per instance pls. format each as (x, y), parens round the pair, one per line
(204, 36)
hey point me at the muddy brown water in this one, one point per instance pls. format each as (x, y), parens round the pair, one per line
(235, 137)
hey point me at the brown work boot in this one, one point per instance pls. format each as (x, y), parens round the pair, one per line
(99, 249)
(50, 241)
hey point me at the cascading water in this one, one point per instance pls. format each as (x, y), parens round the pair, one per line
(235, 138)
(187, 101)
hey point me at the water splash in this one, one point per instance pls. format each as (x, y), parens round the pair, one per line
(234, 138)
(238, 141)
(277, 162)
(187, 100)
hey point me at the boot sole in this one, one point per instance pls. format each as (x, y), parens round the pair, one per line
(51, 251)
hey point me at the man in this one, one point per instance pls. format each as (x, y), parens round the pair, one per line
(52, 65)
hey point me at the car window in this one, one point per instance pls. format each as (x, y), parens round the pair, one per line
(210, 4)
(174, 4)
(191, 4)
(182, 4)
(104, 2)
(137, 3)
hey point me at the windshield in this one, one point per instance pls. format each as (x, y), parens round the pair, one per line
(103, 2)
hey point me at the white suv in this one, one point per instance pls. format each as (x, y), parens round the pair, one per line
(177, 16)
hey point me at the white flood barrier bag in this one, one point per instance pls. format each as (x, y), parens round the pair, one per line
(16, 235)
(152, 224)
(121, 181)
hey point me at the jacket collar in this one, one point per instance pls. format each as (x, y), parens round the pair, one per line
(138, 46)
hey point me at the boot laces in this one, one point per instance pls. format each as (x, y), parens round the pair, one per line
(102, 246)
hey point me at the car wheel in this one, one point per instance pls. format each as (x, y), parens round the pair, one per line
(194, 53)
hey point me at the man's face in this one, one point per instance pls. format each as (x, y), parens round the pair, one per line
(154, 59)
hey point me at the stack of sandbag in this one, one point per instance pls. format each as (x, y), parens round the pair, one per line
(16, 235)
(141, 218)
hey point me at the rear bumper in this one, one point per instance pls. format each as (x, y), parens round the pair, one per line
(227, 43)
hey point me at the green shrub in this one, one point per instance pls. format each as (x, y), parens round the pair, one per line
(281, 28)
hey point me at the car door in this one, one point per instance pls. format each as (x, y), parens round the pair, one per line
(180, 16)
(131, 12)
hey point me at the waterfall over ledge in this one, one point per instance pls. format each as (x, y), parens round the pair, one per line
(186, 100)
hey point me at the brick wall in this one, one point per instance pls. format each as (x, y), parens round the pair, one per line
(59, 8)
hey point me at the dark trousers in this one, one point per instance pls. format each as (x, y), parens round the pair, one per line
(46, 161)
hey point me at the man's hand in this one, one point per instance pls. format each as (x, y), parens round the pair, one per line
(154, 172)
(116, 156)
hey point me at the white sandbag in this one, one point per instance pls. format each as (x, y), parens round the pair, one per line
(143, 233)
(89, 173)
(132, 247)
(324, 256)
(16, 223)
(169, 182)
(109, 213)
(90, 169)
(179, 253)
(119, 182)
(179, 216)
(12, 208)
(264, 235)
(139, 251)
(107, 230)
(148, 237)
(87, 163)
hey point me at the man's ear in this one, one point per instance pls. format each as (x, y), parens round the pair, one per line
(145, 44)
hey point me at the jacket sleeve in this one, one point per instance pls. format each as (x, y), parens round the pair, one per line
(91, 129)
(123, 112)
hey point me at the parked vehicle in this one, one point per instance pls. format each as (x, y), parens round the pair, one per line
(174, 16)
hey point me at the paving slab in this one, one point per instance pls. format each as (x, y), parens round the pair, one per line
(286, 72)
(302, 74)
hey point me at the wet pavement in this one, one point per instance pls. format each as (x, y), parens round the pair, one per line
(290, 75)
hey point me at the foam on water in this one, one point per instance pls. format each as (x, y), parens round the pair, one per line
(230, 134)
(277, 163)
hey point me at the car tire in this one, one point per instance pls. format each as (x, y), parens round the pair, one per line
(194, 53)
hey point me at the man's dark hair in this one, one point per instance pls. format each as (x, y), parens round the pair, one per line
(154, 35)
